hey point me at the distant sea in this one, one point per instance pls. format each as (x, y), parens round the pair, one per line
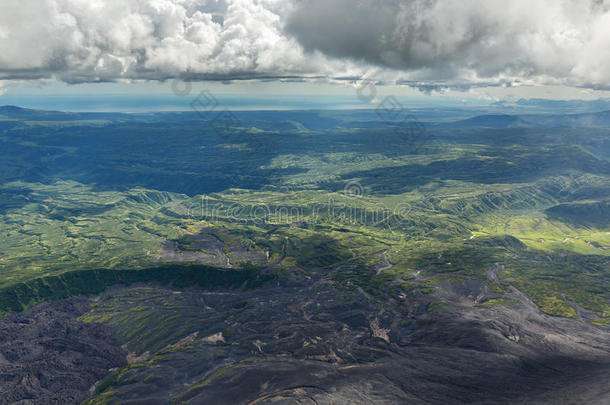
(138, 103)
(142, 103)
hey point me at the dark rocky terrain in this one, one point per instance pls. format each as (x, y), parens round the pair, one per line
(47, 356)
(300, 342)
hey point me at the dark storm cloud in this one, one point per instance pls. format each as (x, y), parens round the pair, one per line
(549, 41)
(427, 43)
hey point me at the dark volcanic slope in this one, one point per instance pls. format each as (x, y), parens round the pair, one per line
(300, 342)
(306, 343)
(49, 357)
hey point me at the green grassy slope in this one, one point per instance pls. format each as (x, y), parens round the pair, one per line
(134, 194)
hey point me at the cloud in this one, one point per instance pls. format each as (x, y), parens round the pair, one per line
(458, 42)
(99, 40)
(426, 43)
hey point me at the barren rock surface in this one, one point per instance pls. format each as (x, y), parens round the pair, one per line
(300, 342)
(47, 356)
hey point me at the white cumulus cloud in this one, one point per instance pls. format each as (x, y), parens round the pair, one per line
(91, 40)
(460, 43)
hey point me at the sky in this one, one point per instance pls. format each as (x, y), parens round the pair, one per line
(458, 50)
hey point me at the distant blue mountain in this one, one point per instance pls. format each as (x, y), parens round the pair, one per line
(494, 121)
(20, 113)
(11, 111)
(574, 105)
(599, 119)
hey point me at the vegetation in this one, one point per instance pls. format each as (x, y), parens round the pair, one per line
(86, 282)
(296, 192)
